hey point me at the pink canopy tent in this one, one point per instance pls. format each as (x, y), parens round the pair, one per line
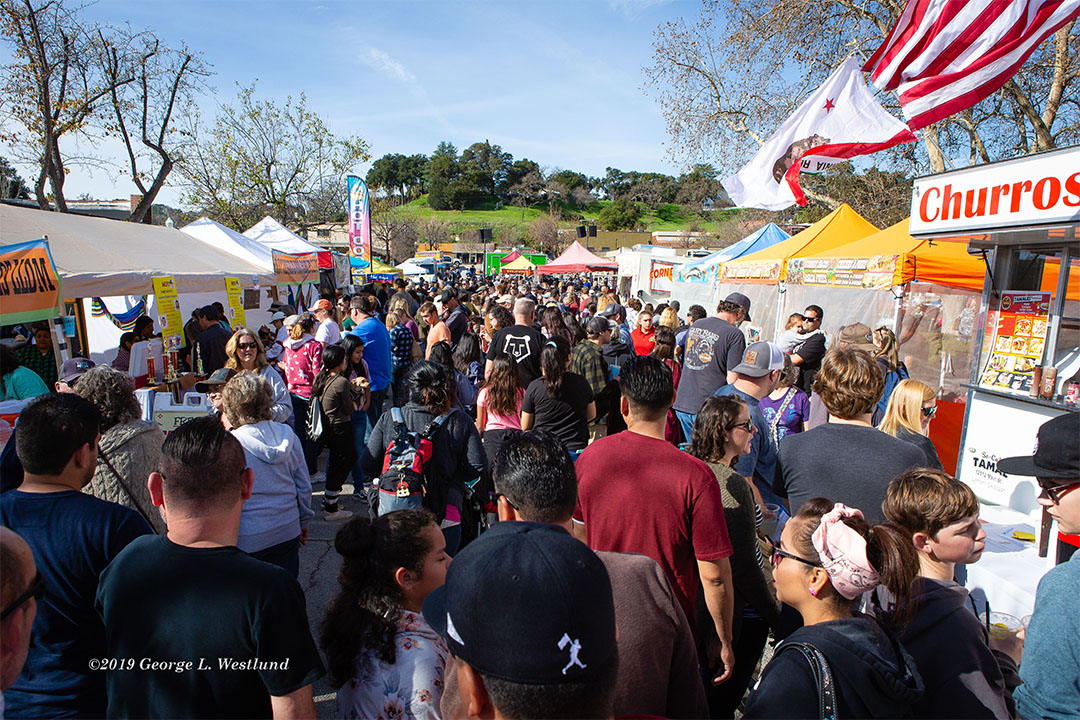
(510, 258)
(577, 259)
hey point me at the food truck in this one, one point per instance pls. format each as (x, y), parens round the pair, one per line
(1021, 217)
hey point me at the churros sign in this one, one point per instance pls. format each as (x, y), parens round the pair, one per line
(1040, 189)
(29, 283)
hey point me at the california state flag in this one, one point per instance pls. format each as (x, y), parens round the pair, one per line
(840, 120)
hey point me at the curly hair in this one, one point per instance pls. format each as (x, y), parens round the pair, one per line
(363, 615)
(112, 392)
(233, 361)
(247, 399)
(712, 426)
(849, 382)
(497, 318)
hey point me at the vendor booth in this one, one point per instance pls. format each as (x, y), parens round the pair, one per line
(521, 266)
(647, 272)
(108, 268)
(1021, 218)
(696, 280)
(761, 275)
(576, 259)
(495, 261)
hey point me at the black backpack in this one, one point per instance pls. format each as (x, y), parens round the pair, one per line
(405, 482)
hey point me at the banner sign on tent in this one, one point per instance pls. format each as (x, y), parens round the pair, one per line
(766, 271)
(359, 220)
(661, 277)
(872, 273)
(295, 269)
(170, 320)
(29, 283)
(235, 293)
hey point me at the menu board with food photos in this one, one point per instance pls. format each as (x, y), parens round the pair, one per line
(1018, 332)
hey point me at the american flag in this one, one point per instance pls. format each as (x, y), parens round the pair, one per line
(944, 56)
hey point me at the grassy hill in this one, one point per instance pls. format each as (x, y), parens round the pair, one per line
(516, 220)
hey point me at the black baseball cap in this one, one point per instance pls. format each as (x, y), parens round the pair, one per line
(448, 295)
(741, 300)
(1057, 451)
(555, 621)
(612, 310)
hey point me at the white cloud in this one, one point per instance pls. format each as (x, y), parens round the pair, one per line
(634, 8)
(381, 61)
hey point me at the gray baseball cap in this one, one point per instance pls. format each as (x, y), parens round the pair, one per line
(759, 359)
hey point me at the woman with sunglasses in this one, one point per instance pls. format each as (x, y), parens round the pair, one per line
(907, 417)
(244, 351)
(827, 558)
(722, 432)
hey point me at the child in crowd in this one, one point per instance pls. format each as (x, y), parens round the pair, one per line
(963, 675)
(791, 337)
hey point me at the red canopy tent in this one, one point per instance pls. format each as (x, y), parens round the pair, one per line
(510, 258)
(577, 259)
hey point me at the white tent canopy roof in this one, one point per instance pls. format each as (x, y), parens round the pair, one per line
(228, 240)
(98, 257)
(410, 268)
(272, 234)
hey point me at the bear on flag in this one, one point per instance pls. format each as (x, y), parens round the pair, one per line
(840, 120)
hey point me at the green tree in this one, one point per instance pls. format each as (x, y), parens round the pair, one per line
(518, 170)
(442, 169)
(397, 173)
(623, 214)
(488, 165)
(570, 179)
(11, 184)
(260, 157)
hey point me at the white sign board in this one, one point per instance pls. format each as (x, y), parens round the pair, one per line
(1000, 427)
(1038, 189)
(661, 277)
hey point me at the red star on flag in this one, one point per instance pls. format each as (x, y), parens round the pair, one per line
(829, 105)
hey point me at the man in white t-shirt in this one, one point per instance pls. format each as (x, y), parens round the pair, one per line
(329, 332)
(281, 334)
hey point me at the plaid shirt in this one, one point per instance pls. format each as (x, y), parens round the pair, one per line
(43, 365)
(401, 340)
(587, 360)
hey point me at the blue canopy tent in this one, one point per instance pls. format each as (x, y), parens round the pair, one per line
(695, 281)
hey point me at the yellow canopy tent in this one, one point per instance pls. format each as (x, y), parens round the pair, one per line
(521, 266)
(378, 266)
(769, 266)
(886, 258)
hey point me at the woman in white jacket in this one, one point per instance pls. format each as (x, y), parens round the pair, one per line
(246, 352)
(273, 523)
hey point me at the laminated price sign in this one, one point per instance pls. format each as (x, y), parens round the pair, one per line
(237, 318)
(169, 317)
(1018, 336)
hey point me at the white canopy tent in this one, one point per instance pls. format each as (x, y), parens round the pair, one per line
(271, 234)
(228, 240)
(410, 268)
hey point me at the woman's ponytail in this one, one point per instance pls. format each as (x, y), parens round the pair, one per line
(893, 555)
(553, 363)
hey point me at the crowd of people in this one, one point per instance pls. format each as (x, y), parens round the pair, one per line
(566, 504)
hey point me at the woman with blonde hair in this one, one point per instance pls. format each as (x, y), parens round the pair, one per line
(245, 351)
(892, 367)
(908, 415)
(669, 318)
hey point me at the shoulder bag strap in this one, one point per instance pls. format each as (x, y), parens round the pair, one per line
(823, 677)
(104, 456)
(774, 426)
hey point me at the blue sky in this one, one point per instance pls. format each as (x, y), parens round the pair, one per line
(558, 82)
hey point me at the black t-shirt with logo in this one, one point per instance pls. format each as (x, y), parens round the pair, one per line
(713, 346)
(522, 343)
(811, 350)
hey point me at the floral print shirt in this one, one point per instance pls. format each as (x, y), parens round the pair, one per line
(410, 688)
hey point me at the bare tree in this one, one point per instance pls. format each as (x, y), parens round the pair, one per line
(528, 191)
(723, 82)
(544, 234)
(391, 230)
(142, 111)
(54, 86)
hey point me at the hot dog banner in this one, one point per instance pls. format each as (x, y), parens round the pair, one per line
(29, 283)
(1018, 336)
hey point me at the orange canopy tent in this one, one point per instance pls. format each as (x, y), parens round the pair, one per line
(769, 266)
(886, 258)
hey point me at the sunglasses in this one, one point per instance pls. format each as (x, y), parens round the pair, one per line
(778, 555)
(1056, 492)
(748, 426)
(504, 496)
(36, 591)
(929, 412)
(246, 346)
(809, 318)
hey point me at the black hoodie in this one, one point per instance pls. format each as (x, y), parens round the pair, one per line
(963, 677)
(871, 679)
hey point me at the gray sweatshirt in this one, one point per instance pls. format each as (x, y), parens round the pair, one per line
(280, 503)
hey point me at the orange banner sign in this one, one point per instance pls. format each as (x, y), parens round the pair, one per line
(29, 283)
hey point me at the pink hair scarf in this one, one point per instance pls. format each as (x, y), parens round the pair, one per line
(843, 553)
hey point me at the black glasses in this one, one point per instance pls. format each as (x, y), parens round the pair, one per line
(778, 555)
(929, 412)
(1056, 492)
(246, 346)
(505, 497)
(748, 426)
(810, 318)
(36, 591)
